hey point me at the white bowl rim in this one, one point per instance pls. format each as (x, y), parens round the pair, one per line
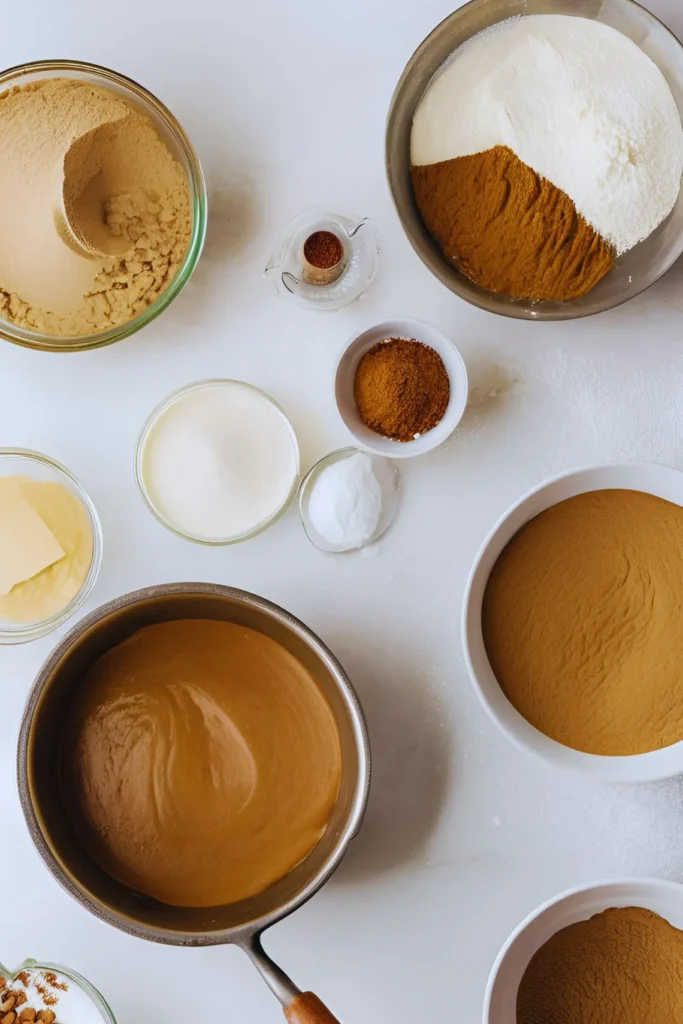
(648, 767)
(458, 380)
(662, 886)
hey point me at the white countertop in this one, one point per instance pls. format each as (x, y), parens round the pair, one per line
(286, 103)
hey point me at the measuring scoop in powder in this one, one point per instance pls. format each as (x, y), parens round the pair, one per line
(80, 217)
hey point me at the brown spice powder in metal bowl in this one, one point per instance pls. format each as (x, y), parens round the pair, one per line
(402, 388)
(508, 229)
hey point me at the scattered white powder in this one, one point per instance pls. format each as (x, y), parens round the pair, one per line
(345, 506)
(219, 461)
(578, 102)
(628, 829)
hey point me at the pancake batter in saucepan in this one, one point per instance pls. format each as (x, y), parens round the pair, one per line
(201, 762)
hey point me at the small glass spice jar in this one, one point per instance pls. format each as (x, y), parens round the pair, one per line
(324, 260)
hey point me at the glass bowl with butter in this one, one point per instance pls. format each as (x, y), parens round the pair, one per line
(50, 545)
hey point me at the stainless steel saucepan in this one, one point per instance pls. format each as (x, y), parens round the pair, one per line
(43, 802)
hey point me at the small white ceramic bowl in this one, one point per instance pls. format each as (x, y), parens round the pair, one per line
(413, 330)
(663, 898)
(658, 764)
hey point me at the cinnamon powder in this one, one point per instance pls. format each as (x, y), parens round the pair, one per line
(508, 229)
(623, 966)
(323, 250)
(401, 388)
(582, 620)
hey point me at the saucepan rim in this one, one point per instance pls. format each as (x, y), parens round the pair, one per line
(242, 934)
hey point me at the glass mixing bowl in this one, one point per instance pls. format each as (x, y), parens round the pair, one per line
(100, 1004)
(147, 431)
(177, 141)
(635, 270)
(386, 471)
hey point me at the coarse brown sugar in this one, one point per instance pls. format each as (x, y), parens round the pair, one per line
(402, 388)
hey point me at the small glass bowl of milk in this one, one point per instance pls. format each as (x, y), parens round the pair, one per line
(217, 462)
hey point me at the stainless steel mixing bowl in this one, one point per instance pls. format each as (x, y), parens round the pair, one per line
(636, 270)
(43, 802)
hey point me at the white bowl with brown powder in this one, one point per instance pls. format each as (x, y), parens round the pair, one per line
(397, 385)
(102, 206)
(605, 952)
(573, 648)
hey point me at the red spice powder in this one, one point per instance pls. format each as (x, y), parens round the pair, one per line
(323, 250)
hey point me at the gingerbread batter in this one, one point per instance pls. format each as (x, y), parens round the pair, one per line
(583, 622)
(203, 760)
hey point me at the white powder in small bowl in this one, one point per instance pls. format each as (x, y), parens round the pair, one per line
(218, 461)
(352, 501)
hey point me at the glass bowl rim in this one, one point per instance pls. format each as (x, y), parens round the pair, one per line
(198, 201)
(23, 632)
(152, 420)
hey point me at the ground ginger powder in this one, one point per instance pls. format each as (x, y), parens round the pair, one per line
(582, 621)
(623, 966)
(508, 229)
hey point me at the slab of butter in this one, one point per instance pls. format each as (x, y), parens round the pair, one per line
(27, 545)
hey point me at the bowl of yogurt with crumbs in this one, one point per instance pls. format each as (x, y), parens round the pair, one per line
(45, 993)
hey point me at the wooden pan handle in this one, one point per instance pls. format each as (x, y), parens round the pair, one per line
(307, 1009)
